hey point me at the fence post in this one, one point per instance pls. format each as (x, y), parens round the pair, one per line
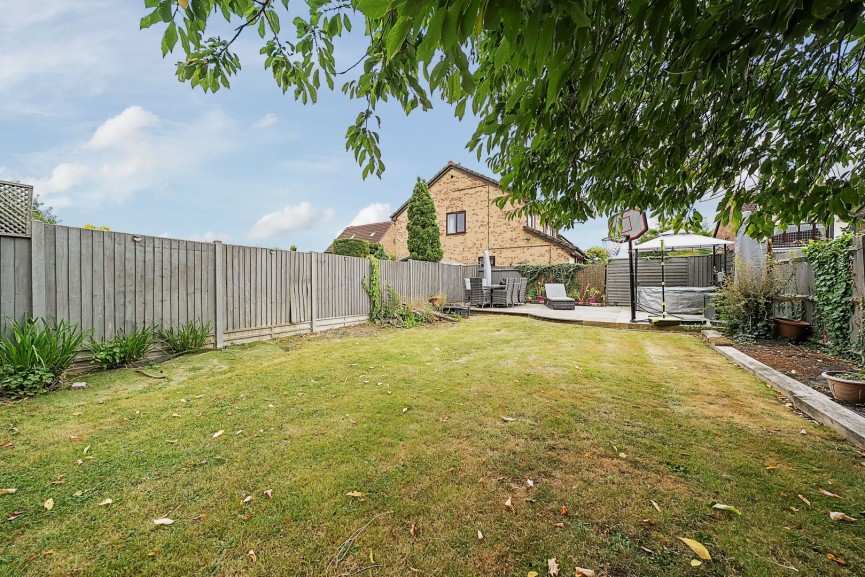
(37, 270)
(313, 298)
(219, 295)
(410, 281)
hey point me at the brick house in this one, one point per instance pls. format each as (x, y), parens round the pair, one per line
(469, 223)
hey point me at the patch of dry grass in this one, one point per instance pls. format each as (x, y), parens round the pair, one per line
(604, 423)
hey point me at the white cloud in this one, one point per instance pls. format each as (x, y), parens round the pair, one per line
(265, 121)
(131, 152)
(209, 236)
(122, 130)
(290, 219)
(376, 212)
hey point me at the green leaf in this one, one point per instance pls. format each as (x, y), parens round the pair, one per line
(397, 36)
(373, 8)
(169, 39)
(578, 15)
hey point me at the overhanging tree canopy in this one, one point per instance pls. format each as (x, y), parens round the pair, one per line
(589, 106)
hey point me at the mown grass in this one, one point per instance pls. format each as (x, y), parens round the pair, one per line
(605, 422)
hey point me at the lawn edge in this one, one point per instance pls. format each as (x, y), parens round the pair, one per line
(816, 405)
(586, 323)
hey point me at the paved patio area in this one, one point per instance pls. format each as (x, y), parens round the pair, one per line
(603, 316)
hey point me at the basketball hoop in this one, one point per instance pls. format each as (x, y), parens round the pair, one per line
(611, 246)
(629, 224)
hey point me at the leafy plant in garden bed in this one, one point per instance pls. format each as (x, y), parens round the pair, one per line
(186, 337)
(35, 354)
(833, 291)
(745, 301)
(538, 274)
(124, 348)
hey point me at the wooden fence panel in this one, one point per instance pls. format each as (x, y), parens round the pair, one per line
(648, 274)
(15, 287)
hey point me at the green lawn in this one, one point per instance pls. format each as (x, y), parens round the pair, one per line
(604, 423)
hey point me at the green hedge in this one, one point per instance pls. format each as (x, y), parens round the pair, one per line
(351, 247)
(359, 247)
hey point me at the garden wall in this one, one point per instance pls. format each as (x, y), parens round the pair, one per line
(108, 281)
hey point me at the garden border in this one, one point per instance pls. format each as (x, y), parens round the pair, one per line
(814, 404)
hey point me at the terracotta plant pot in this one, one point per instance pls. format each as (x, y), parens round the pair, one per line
(593, 301)
(791, 329)
(541, 300)
(437, 301)
(845, 389)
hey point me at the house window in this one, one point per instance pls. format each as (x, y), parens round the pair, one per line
(456, 222)
(532, 221)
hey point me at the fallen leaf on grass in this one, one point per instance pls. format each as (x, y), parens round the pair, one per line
(77, 493)
(480, 535)
(839, 516)
(830, 494)
(49, 504)
(510, 505)
(508, 419)
(649, 521)
(414, 530)
(217, 433)
(8, 445)
(580, 572)
(405, 409)
(559, 525)
(106, 502)
(201, 517)
(252, 556)
(174, 415)
(13, 516)
(77, 438)
(532, 574)
(563, 511)
(696, 562)
(163, 521)
(647, 550)
(697, 548)
(247, 499)
(837, 560)
(268, 493)
(553, 567)
(656, 506)
(371, 557)
(804, 500)
(723, 507)
(529, 484)
(7, 491)
(771, 467)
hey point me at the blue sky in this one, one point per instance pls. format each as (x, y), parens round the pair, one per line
(93, 117)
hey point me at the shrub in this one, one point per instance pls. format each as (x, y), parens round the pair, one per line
(186, 337)
(35, 355)
(424, 242)
(833, 291)
(745, 301)
(351, 247)
(122, 349)
(377, 250)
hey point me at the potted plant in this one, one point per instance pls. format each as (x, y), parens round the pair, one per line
(593, 296)
(793, 329)
(847, 386)
(531, 295)
(541, 297)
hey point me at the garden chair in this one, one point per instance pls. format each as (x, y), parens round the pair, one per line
(500, 296)
(479, 297)
(521, 298)
(513, 290)
(557, 298)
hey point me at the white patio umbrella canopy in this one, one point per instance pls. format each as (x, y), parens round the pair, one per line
(488, 269)
(682, 241)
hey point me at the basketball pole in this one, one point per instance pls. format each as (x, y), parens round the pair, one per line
(631, 280)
